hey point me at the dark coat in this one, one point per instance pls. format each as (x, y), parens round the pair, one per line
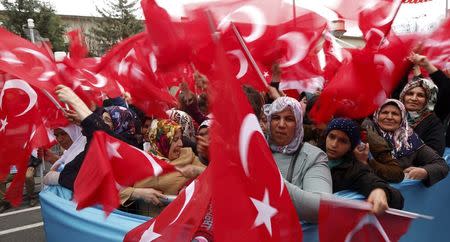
(356, 176)
(89, 125)
(431, 132)
(383, 163)
(442, 107)
(425, 157)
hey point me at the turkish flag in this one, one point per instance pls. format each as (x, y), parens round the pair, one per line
(270, 31)
(181, 219)
(250, 199)
(363, 82)
(21, 130)
(341, 221)
(436, 46)
(132, 64)
(375, 21)
(23, 59)
(110, 164)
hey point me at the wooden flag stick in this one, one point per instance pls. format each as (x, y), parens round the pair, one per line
(248, 54)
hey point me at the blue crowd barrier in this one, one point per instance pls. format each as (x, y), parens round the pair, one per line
(62, 222)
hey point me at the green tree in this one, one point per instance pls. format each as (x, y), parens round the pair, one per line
(46, 21)
(117, 23)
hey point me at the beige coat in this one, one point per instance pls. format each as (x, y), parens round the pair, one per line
(169, 184)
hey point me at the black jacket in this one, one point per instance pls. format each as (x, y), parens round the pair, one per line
(89, 125)
(426, 158)
(431, 131)
(442, 107)
(353, 175)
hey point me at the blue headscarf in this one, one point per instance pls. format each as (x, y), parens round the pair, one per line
(349, 127)
(124, 120)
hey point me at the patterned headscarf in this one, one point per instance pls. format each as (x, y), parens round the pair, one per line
(403, 140)
(161, 135)
(185, 121)
(431, 91)
(277, 106)
(124, 121)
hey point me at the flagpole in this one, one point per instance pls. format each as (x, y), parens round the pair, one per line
(294, 13)
(248, 54)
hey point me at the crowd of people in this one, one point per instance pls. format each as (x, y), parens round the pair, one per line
(404, 138)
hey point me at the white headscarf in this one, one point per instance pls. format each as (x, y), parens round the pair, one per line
(277, 106)
(78, 145)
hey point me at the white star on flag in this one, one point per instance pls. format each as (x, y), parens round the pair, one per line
(265, 212)
(4, 122)
(266, 74)
(149, 235)
(111, 148)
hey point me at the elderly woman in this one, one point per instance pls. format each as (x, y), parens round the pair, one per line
(416, 159)
(419, 97)
(303, 166)
(165, 143)
(349, 169)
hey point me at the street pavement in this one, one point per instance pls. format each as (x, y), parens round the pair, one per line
(22, 224)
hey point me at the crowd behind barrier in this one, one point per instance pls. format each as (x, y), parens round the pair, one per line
(63, 222)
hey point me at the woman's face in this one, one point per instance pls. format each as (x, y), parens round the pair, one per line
(107, 119)
(304, 103)
(263, 123)
(62, 138)
(144, 129)
(389, 118)
(337, 144)
(415, 99)
(282, 127)
(175, 146)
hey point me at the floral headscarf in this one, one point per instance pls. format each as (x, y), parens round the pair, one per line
(185, 121)
(124, 120)
(431, 91)
(403, 140)
(277, 106)
(161, 135)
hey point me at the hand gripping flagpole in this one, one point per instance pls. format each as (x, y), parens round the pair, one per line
(248, 54)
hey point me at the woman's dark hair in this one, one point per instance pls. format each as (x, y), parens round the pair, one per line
(255, 99)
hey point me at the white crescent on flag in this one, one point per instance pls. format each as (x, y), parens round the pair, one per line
(368, 219)
(298, 47)
(243, 63)
(249, 126)
(24, 86)
(257, 19)
(189, 191)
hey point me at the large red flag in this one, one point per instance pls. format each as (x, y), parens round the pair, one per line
(110, 164)
(250, 199)
(436, 46)
(347, 221)
(363, 82)
(20, 132)
(22, 59)
(181, 219)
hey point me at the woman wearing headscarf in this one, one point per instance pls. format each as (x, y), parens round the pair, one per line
(116, 121)
(419, 97)
(187, 126)
(76, 147)
(347, 159)
(165, 143)
(416, 159)
(303, 166)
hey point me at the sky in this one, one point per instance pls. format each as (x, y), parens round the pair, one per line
(418, 17)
